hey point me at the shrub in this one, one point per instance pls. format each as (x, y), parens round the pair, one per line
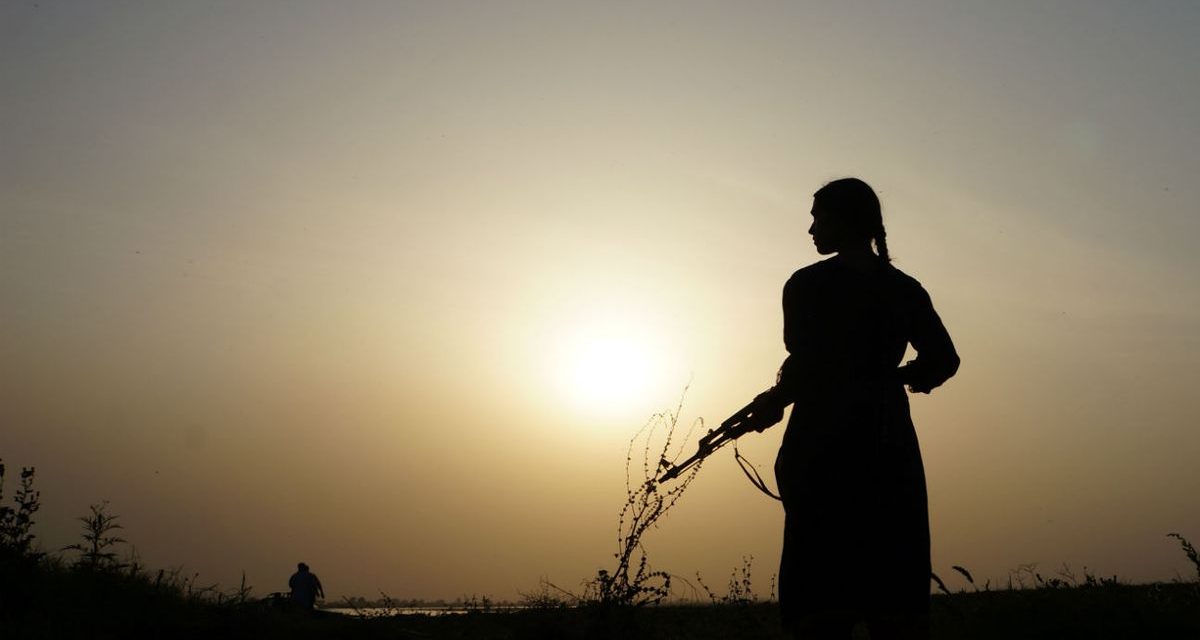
(16, 539)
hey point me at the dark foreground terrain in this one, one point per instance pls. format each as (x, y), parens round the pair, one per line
(106, 606)
(98, 596)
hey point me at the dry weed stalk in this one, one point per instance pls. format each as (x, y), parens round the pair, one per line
(633, 583)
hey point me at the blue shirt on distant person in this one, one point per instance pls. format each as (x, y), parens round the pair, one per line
(305, 586)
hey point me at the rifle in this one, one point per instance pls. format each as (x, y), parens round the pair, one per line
(748, 418)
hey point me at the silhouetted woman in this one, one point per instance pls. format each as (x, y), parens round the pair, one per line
(856, 538)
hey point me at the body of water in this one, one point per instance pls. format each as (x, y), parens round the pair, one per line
(371, 612)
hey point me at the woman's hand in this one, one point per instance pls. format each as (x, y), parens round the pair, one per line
(909, 376)
(766, 411)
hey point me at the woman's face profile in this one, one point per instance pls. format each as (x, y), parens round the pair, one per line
(827, 233)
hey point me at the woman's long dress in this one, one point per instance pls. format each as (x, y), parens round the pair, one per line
(856, 538)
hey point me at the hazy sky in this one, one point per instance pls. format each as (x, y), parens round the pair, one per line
(387, 287)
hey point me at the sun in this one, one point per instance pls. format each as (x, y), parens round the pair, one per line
(608, 375)
(609, 370)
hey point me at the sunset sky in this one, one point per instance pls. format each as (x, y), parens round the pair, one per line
(387, 287)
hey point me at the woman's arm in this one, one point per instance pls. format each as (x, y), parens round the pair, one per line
(793, 373)
(767, 408)
(936, 359)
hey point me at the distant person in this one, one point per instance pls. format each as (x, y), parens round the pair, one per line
(306, 587)
(856, 532)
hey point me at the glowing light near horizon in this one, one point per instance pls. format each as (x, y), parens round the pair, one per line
(610, 370)
(608, 375)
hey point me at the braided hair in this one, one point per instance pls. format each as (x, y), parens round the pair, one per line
(880, 240)
(854, 202)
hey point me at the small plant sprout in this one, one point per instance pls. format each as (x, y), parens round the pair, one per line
(98, 539)
(740, 591)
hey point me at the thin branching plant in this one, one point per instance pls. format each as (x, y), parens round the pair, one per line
(653, 449)
(1188, 550)
(741, 590)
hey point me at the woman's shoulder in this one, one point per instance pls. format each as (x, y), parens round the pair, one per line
(815, 271)
(898, 277)
(808, 281)
(830, 273)
(907, 286)
(831, 268)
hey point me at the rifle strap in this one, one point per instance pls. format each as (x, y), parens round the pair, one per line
(752, 473)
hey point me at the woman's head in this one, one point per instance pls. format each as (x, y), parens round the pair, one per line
(846, 214)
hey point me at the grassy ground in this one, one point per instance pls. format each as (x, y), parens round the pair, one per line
(98, 596)
(99, 606)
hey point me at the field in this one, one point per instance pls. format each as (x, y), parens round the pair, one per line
(94, 593)
(1104, 611)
